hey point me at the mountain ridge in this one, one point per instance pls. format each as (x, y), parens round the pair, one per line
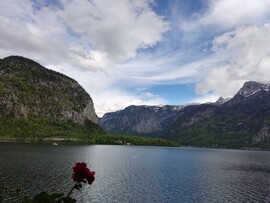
(241, 121)
(143, 126)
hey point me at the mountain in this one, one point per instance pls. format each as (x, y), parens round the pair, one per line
(222, 100)
(242, 121)
(35, 101)
(28, 89)
(140, 120)
(252, 93)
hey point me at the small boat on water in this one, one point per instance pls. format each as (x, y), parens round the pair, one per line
(55, 144)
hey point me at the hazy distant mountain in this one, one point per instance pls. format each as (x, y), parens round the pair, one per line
(243, 120)
(140, 120)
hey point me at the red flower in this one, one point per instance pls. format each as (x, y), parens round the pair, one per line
(82, 174)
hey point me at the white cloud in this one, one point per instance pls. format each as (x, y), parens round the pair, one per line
(86, 40)
(245, 54)
(103, 45)
(116, 100)
(86, 59)
(106, 94)
(224, 15)
(204, 99)
(230, 13)
(167, 69)
(118, 29)
(90, 34)
(238, 31)
(38, 34)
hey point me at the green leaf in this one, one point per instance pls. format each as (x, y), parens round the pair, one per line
(68, 200)
(44, 197)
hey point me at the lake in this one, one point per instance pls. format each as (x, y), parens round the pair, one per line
(140, 174)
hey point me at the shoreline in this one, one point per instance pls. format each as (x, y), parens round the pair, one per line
(69, 141)
(65, 141)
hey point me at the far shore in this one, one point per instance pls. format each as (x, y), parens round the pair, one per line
(45, 140)
(67, 141)
(59, 140)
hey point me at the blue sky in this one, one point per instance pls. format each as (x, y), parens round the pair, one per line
(143, 52)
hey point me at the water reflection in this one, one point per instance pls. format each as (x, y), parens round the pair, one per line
(141, 174)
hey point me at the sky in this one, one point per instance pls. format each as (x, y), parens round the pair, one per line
(143, 52)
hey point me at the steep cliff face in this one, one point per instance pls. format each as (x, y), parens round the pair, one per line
(29, 90)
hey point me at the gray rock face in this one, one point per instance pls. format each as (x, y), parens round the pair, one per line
(199, 115)
(140, 120)
(222, 100)
(251, 92)
(263, 136)
(86, 114)
(27, 89)
(251, 88)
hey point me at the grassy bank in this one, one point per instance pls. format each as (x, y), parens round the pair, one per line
(104, 139)
(49, 130)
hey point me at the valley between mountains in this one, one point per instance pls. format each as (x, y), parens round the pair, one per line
(38, 104)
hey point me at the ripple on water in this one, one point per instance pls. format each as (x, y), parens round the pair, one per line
(141, 174)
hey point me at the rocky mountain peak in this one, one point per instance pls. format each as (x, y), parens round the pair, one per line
(250, 88)
(251, 92)
(222, 100)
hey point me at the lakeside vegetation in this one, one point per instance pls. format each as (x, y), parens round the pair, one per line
(50, 130)
(38, 105)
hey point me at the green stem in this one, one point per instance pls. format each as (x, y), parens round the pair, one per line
(69, 193)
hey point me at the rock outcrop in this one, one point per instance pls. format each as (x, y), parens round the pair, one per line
(140, 120)
(263, 136)
(27, 89)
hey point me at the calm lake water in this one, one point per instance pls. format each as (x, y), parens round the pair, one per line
(140, 174)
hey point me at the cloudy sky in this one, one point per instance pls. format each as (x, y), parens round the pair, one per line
(143, 51)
